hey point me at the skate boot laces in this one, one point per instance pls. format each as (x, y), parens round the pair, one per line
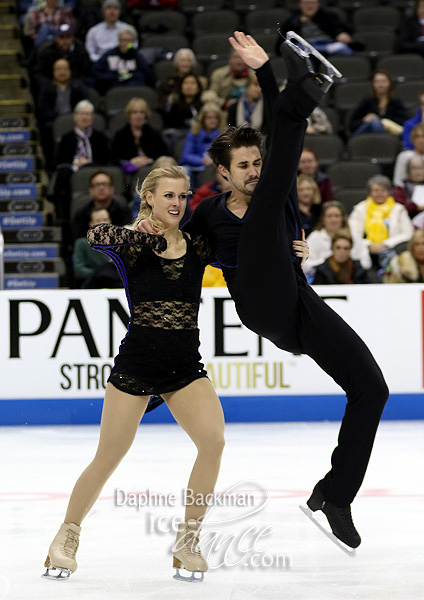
(71, 543)
(306, 50)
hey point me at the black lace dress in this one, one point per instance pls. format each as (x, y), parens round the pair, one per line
(160, 352)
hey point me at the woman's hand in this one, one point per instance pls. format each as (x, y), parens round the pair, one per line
(252, 54)
(301, 248)
(147, 226)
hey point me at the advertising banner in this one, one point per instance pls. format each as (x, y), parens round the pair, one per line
(60, 344)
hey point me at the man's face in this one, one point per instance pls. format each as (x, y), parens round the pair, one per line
(111, 14)
(64, 42)
(245, 168)
(101, 188)
(309, 7)
(61, 71)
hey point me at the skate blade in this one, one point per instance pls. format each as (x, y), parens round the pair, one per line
(191, 579)
(63, 574)
(308, 50)
(349, 551)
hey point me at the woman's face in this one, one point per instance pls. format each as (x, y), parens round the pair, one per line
(137, 116)
(341, 251)
(190, 87)
(305, 192)
(332, 219)
(169, 201)
(61, 71)
(184, 64)
(308, 164)
(416, 171)
(379, 193)
(418, 141)
(418, 249)
(254, 91)
(211, 121)
(83, 118)
(381, 83)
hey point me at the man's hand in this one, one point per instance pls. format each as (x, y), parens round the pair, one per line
(301, 248)
(147, 226)
(252, 54)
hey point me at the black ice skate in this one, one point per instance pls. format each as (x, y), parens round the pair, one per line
(339, 519)
(300, 69)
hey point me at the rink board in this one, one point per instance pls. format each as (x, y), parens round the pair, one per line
(57, 349)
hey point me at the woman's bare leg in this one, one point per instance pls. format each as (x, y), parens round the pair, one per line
(120, 420)
(198, 410)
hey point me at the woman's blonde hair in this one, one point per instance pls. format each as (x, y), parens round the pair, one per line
(317, 194)
(413, 240)
(150, 184)
(134, 103)
(199, 123)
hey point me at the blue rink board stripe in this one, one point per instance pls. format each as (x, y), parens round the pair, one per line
(84, 411)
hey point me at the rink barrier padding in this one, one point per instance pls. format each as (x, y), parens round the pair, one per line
(242, 409)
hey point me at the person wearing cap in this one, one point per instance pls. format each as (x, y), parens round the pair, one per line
(43, 20)
(64, 46)
(104, 36)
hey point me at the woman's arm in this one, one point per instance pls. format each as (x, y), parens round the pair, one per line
(104, 236)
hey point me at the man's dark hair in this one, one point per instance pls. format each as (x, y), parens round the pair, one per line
(101, 172)
(233, 138)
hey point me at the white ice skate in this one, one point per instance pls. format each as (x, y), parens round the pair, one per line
(306, 50)
(308, 512)
(62, 551)
(187, 554)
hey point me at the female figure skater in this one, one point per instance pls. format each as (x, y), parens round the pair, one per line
(254, 230)
(159, 355)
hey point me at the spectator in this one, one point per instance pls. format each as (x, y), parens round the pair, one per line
(77, 148)
(309, 202)
(309, 165)
(104, 36)
(340, 268)
(379, 112)
(408, 267)
(64, 46)
(90, 14)
(102, 196)
(402, 159)
(187, 105)
(185, 64)
(137, 143)
(410, 124)
(60, 96)
(332, 219)
(411, 193)
(411, 37)
(322, 28)
(383, 222)
(213, 277)
(249, 108)
(208, 125)
(212, 188)
(42, 23)
(318, 122)
(230, 81)
(84, 259)
(122, 66)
